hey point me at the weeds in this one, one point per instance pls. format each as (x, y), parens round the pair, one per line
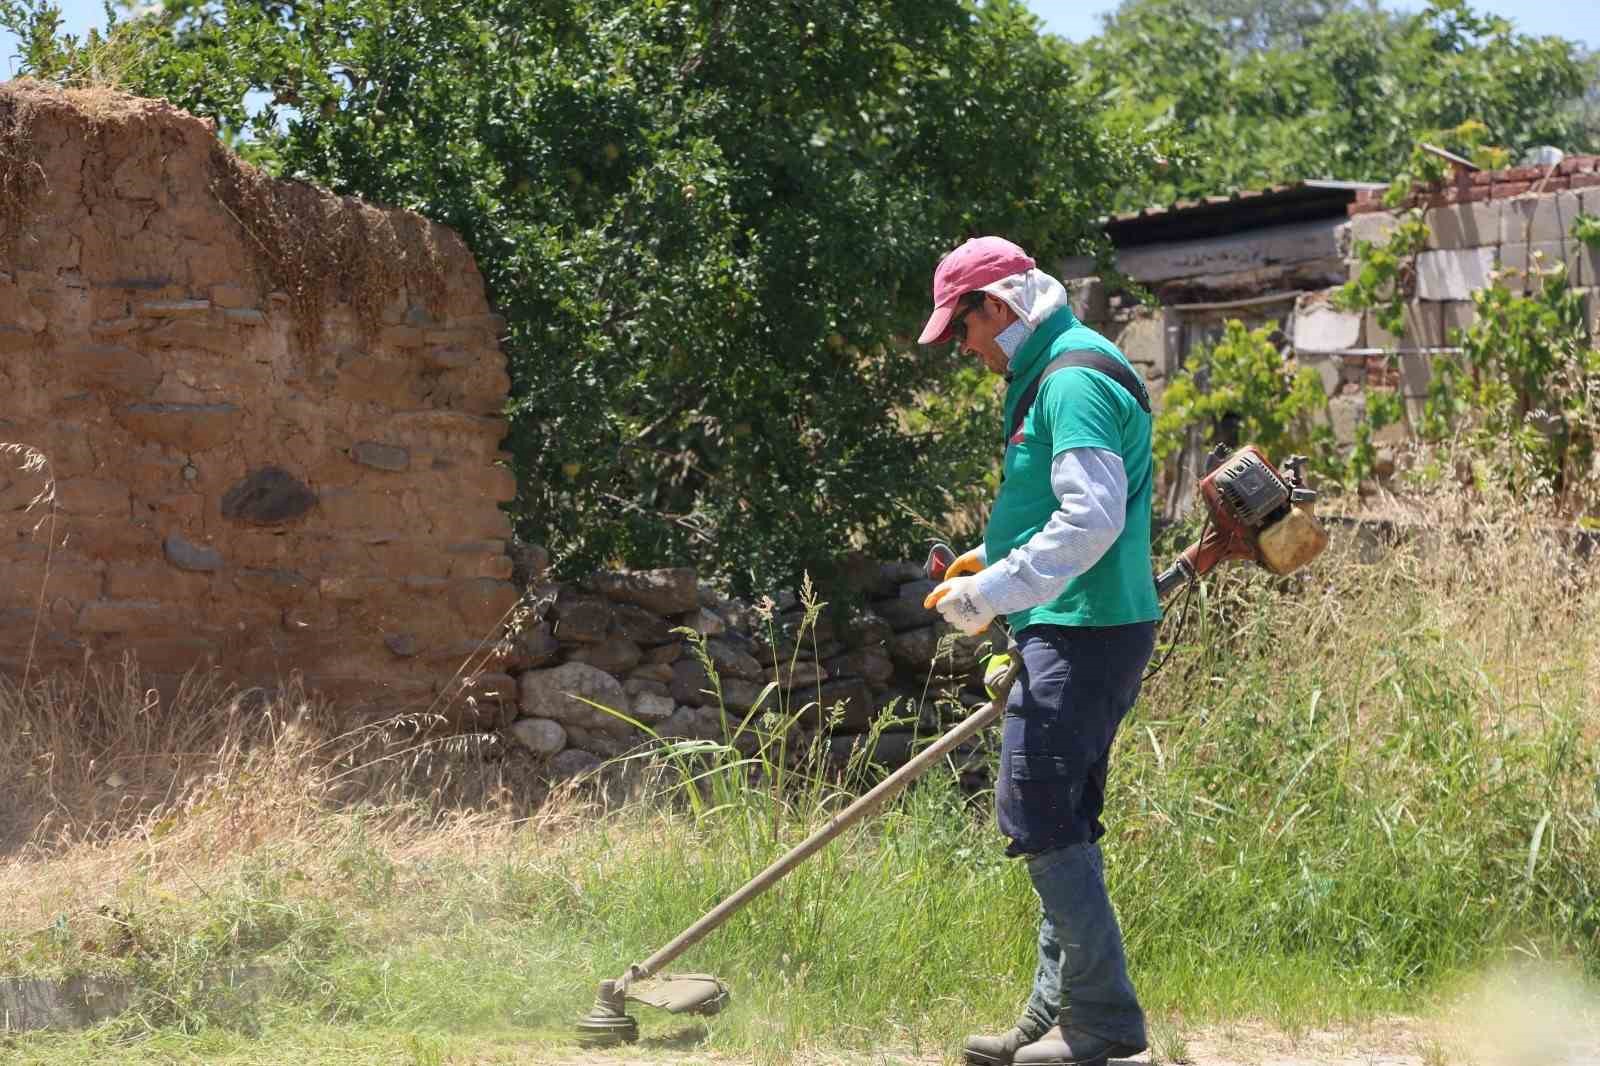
(22, 179)
(1167, 1042)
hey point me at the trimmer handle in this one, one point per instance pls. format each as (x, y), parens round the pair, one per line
(940, 556)
(1174, 577)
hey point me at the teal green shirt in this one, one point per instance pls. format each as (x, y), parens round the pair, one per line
(1076, 408)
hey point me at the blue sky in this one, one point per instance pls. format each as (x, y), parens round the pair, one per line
(1081, 18)
(1070, 18)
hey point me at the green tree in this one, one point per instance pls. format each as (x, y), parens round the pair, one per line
(1251, 25)
(711, 226)
(1241, 390)
(1348, 102)
(1526, 391)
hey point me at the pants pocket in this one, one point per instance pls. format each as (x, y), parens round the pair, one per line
(1029, 768)
(1038, 797)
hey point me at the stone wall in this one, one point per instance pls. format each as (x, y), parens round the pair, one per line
(611, 641)
(272, 416)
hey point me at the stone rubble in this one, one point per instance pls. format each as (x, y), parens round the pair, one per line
(605, 659)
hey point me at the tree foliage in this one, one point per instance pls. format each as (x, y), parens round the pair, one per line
(711, 226)
(1252, 25)
(1242, 390)
(1345, 96)
(711, 223)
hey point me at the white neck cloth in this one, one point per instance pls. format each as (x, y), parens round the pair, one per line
(1033, 295)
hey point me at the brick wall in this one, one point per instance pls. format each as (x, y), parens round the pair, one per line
(266, 457)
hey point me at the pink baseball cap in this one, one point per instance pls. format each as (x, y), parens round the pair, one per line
(979, 262)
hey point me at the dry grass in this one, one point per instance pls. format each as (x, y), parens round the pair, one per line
(21, 176)
(106, 778)
(1510, 586)
(304, 237)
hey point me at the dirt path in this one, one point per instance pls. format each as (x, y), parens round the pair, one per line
(1398, 1042)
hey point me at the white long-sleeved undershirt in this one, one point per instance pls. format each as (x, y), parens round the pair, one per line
(1093, 489)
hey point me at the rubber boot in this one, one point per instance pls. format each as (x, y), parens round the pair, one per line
(996, 1050)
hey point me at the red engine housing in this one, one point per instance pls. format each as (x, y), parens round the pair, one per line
(1242, 493)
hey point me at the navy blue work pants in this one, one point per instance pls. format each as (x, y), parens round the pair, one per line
(1075, 687)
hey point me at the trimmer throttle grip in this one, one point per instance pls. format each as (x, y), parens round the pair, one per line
(1174, 577)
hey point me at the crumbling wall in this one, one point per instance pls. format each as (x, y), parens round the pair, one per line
(1484, 226)
(271, 416)
(1148, 336)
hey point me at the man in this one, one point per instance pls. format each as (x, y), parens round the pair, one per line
(1066, 559)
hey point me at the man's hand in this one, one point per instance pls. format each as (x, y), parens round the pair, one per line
(969, 562)
(961, 604)
(993, 670)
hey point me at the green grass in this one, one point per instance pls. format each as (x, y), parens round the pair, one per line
(1341, 799)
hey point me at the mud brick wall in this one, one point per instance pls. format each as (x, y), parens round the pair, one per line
(271, 416)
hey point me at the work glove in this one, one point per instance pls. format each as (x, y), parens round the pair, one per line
(969, 562)
(960, 603)
(993, 670)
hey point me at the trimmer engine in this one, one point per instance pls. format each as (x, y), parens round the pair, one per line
(1255, 513)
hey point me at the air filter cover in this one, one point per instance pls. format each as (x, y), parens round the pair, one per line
(1249, 489)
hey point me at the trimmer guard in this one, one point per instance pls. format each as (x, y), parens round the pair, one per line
(681, 993)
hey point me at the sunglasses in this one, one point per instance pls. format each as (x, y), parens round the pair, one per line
(958, 323)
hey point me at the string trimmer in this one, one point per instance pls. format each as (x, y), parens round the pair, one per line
(1252, 512)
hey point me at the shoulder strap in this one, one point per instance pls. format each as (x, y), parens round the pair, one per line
(1111, 367)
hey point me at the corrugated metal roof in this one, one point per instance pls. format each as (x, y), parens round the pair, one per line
(1248, 197)
(1240, 209)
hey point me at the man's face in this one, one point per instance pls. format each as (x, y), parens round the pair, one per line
(981, 325)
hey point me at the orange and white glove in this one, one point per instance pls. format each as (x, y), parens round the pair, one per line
(969, 562)
(960, 603)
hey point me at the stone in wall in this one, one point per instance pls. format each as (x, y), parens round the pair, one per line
(1521, 264)
(1149, 338)
(260, 470)
(1453, 274)
(1090, 301)
(1376, 227)
(1319, 326)
(1473, 225)
(1422, 326)
(1537, 219)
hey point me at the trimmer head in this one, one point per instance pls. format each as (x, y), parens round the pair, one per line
(608, 1023)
